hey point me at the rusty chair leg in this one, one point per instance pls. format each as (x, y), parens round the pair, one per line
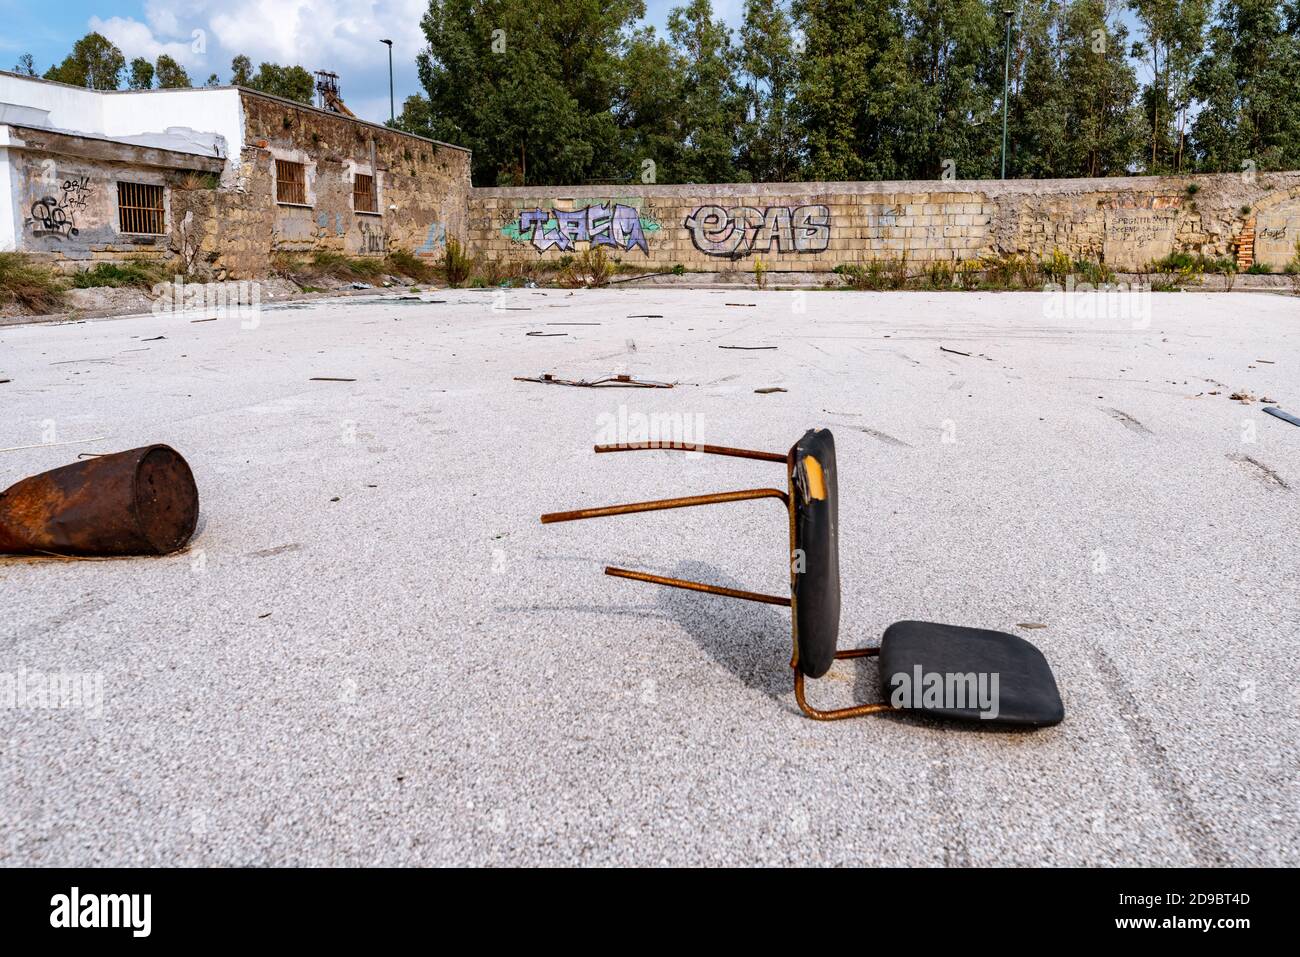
(686, 447)
(665, 503)
(838, 713)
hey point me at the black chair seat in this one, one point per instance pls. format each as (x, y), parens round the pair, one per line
(1026, 693)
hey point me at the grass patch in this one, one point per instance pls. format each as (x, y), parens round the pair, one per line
(590, 269)
(29, 285)
(130, 274)
(1259, 269)
(400, 262)
(457, 264)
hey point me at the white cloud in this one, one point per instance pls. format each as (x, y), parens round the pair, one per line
(135, 39)
(338, 35)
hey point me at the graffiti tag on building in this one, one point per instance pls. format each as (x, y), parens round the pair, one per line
(601, 225)
(373, 238)
(58, 217)
(741, 230)
(51, 218)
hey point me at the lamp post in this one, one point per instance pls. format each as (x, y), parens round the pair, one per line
(1006, 87)
(392, 112)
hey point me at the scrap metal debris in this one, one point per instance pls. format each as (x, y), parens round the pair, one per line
(1284, 416)
(154, 339)
(605, 382)
(329, 378)
(770, 389)
(1245, 398)
(648, 315)
(748, 348)
(544, 334)
(751, 305)
(139, 502)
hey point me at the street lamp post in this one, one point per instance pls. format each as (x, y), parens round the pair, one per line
(1006, 87)
(392, 112)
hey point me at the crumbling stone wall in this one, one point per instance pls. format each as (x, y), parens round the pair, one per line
(423, 191)
(1125, 222)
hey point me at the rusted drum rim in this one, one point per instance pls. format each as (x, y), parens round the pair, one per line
(139, 502)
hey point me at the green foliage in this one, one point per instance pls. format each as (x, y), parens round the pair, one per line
(1194, 264)
(760, 273)
(402, 262)
(589, 269)
(1057, 268)
(94, 62)
(171, 75)
(24, 283)
(131, 273)
(141, 76)
(289, 82)
(457, 264)
(1259, 269)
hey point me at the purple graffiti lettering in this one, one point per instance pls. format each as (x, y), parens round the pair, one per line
(599, 225)
(741, 230)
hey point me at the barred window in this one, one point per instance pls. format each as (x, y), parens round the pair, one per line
(140, 208)
(290, 182)
(364, 199)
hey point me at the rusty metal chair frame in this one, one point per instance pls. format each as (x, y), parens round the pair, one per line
(789, 500)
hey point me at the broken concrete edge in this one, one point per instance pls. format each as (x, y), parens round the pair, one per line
(788, 282)
(395, 292)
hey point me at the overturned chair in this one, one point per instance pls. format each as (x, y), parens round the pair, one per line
(911, 653)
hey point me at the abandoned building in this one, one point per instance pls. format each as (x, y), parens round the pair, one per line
(223, 179)
(218, 178)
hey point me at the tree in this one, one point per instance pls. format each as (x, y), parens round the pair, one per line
(241, 71)
(712, 109)
(1246, 85)
(1172, 41)
(647, 107)
(25, 66)
(1072, 106)
(212, 80)
(528, 85)
(171, 75)
(852, 80)
(290, 82)
(141, 76)
(770, 148)
(94, 62)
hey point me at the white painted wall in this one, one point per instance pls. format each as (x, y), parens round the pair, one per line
(116, 114)
(8, 197)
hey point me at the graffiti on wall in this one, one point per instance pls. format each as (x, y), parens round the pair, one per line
(373, 238)
(741, 230)
(604, 224)
(57, 217)
(434, 240)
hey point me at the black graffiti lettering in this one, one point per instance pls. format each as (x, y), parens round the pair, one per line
(742, 230)
(50, 218)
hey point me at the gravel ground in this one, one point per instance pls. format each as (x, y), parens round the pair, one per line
(374, 653)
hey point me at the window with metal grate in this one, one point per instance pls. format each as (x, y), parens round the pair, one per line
(290, 182)
(364, 198)
(140, 208)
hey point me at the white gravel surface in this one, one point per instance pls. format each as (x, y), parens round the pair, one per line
(422, 673)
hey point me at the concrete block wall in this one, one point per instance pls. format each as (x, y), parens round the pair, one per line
(1125, 222)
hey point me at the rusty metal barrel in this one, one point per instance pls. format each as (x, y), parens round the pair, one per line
(139, 502)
